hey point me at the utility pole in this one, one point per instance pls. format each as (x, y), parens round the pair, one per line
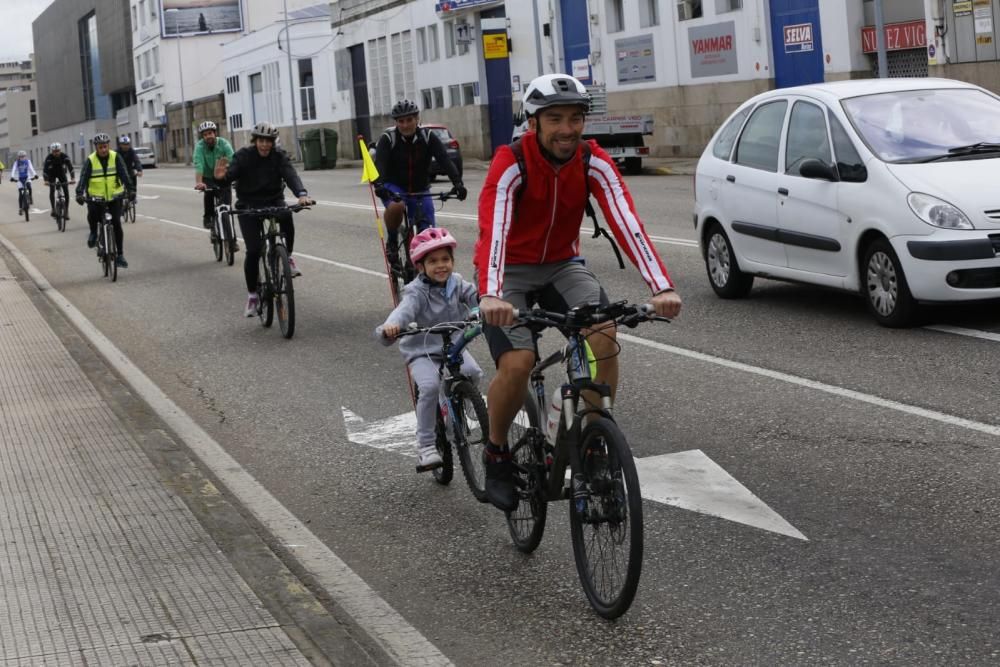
(291, 83)
(883, 61)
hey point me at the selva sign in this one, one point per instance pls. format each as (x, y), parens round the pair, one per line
(798, 37)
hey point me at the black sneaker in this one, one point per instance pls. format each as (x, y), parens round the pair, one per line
(500, 488)
(92, 240)
(120, 262)
(208, 222)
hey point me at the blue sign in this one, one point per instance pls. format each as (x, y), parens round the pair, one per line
(455, 5)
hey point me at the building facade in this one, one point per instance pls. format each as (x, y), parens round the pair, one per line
(18, 74)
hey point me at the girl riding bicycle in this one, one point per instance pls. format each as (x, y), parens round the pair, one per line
(436, 295)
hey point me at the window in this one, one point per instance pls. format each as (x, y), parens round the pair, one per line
(402, 65)
(723, 147)
(236, 121)
(449, 39)
(723, 6)
(88, 62)
(421, 45)
(378, 80)
(142, 12)
(427, 98)
(233, 84)
(849, 164)
(469, 93)
(688, 9)
(135, 19)
(462, 44)
(156, 59)
(807, 137)
(649, 13)
(138, 67)
(433, 50)
(151, 112)
(455, 95)
(31, 106)
(307, 91)
(439, 98)
(758, 146)
(616, 15)
(146, 63)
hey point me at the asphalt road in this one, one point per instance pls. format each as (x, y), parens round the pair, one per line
(879, 446)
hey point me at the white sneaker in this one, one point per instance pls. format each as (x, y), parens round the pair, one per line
(296, 272)
(251, 309)
(428, 458)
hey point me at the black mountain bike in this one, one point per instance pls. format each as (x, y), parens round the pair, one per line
(128, 208)
(401, 267)
(462, 419)
(107, 249)
(24, 197)
(275, 291)
(61, 208)
(605, 509)
(224, 243)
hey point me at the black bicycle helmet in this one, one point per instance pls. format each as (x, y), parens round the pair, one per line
(404, 108)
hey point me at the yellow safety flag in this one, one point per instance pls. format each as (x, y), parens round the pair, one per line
(370, 173)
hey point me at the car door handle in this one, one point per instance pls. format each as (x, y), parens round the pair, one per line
(731, 178)
(783, 191)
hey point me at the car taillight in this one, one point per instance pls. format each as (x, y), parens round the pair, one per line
(453, 143)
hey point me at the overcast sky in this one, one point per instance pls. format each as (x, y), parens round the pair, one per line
(16, 17)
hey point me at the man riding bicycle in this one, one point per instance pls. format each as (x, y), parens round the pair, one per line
(132, 163)
(57, 164)
(403, 159)
(261, 172)
(210, 148)
(104, 176)
(529, 252)
(22, 170)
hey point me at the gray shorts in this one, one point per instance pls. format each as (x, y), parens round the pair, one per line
(558, 287)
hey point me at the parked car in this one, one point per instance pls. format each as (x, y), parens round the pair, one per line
(450, 145)
(885, 187)
(147, 158)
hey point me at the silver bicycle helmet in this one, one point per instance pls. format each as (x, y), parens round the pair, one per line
(124, 140)
(56, 146)
(208, 125)
(265, 130)
(101, 138)
(551, 90)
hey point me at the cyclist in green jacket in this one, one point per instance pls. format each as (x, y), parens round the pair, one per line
(209, 149)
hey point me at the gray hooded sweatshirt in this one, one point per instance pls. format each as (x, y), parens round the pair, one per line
(429, 305)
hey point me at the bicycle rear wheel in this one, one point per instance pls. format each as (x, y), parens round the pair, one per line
(606, 520)
(527, 523)
(471, 427)
(61, 214)
(284, 292)
(265, 292)
(25, 206)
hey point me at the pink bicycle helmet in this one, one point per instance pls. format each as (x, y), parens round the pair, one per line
(428, 240)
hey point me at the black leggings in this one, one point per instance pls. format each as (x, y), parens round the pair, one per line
(252, 229)
(61, 182)
(94, 213)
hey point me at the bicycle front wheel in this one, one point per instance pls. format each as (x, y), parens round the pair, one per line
(606, 519)
(229, 240)
(527, 523)
(265, 292)
(217, 241)
(446, 472)
(284, 292)
(471, 428)
(111, 256)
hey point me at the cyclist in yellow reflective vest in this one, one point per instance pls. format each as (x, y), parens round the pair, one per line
(103, 177)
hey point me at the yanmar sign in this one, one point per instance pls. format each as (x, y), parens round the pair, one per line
(713, 49)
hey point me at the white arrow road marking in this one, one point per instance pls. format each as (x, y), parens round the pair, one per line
(689, 480)
(692, 481)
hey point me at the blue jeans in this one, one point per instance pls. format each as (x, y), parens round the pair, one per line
(425, 204)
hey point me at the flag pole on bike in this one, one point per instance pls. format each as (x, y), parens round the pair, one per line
(370, 175)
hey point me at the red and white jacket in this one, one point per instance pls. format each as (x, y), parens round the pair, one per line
(541, 224)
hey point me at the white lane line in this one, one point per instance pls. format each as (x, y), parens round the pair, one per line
(959, 331)
(736, 365)
(384, 624)
(669, 240)
(934, 415)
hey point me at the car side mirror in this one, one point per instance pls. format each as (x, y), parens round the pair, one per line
(813, 168)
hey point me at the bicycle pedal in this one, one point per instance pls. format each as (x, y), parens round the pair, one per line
(428, 468)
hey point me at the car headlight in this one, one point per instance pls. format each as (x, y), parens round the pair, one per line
(937, 212)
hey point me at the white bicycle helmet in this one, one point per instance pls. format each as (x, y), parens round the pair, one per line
(101, 138)
(429, 240)
(22, 154)
(207, 125)
(551, 90)
(265, 130)
(55, 146)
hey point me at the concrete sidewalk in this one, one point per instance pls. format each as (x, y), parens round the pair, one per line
(105, 555)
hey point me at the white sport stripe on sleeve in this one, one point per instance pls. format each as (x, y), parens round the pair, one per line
(503, 213)
(623, 218)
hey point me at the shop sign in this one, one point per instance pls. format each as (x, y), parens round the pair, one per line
(898, 36)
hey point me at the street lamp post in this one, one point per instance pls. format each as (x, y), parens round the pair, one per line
(291, 81)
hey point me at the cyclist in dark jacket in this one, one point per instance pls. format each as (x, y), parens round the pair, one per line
(132, 163)
(403, 159)
(57, 164)
(261, 172)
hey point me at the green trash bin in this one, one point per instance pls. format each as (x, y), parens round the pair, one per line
(319, 149)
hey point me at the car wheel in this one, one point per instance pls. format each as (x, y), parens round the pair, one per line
(723, 270)
(884, 286)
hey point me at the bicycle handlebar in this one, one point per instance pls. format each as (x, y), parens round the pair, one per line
(582, 317)
(442, 195)
(413, 329)
(269, 211)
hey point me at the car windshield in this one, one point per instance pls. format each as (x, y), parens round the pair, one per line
(924, 125)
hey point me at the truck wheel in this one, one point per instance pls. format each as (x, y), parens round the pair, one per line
(633, 165)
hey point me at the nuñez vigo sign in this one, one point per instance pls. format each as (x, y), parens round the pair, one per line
(898, 36)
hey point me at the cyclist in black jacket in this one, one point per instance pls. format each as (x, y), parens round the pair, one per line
(403, 159)
(54, 170)
(261, 172)
(132, 163)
